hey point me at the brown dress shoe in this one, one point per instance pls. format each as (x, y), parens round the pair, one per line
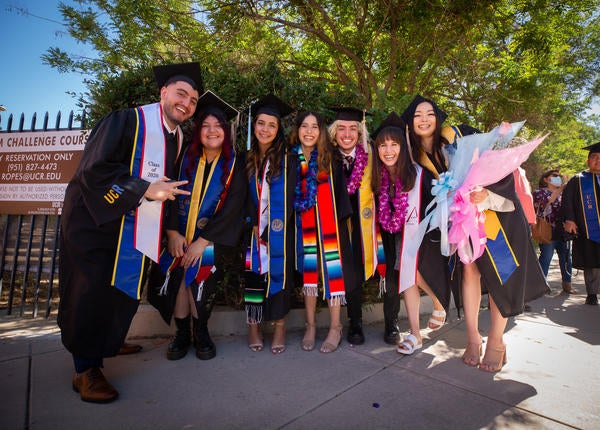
(93, 387)
(129, 348)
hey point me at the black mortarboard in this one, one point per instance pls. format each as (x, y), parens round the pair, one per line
(349, 114)
(210, 102)
(392, 120)
(409, 112)
(186, 72)
(271, 105)
(593, 148)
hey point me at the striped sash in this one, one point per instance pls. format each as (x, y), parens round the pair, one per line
(498, 248)
(140, 228)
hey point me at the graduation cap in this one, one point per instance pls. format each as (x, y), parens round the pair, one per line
(272, 105)
(392, 120)
(409, 112)
(209, 102)
(593, 148)
(349, 114)
(453, 132)
(186, 72)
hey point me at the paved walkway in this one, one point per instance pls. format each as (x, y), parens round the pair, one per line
(551, 380)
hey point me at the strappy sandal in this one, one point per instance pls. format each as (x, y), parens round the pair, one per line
(472, 354)
(327, 346)
(409, 345)
(434, 323)
(278, 348)
(494, 359)
(308, 342)
(255, 346)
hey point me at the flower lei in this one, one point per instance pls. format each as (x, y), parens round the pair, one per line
(391, 221)
(360, 163)
(305, 201)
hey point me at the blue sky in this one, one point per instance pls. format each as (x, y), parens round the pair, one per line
(26, 84)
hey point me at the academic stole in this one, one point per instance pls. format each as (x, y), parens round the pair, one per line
(407, 260)
(194, 213)
(321, 242)
(141, 227)
(498, 248)
(366, 205)
(589, 203)
(270, 257)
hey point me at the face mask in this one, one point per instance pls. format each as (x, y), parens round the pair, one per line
(556, 181)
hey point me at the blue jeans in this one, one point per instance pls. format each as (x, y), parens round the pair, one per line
(563, 249)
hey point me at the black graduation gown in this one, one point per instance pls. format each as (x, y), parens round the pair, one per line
(224, 230)
(432, 265)
(586, 253)
(527, 282)
(277, 306)
(94, 317)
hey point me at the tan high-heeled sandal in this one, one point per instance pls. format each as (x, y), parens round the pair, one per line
(308, 342)
(472, 354)
(278, 348)
(328, 346)
(255, 345)
(494, 359)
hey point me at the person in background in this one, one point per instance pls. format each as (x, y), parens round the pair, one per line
(547, 202)
(323, 208)
(271, 173)
(199, 227)
(583, 221)
(348, 133)
(111, 221)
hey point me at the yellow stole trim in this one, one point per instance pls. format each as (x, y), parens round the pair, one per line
(196, 200)
(366, 204)
(426, 162)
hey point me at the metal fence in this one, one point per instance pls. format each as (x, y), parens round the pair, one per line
(29, 256)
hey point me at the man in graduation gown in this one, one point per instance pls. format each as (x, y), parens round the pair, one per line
(112, 219)
(349, 134)
(580, 212)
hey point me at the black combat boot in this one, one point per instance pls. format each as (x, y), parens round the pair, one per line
(205, 347)
(182, 340)
(355, 333)
(392, 332)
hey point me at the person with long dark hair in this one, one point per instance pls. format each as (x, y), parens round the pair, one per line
(199, 228)
(271, 174)
(322, 207)
(403, 191)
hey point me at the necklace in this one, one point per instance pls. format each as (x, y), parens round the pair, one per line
(307, 173)
(391, 220)
(360, 163)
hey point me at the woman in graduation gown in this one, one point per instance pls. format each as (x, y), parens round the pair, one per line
(424, 120)
(270, 262)
(403, 190)
(199, 227)
(323, 207)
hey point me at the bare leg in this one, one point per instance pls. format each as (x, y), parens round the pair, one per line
(334, 336)
(471, 294)
(310, 306)
(412, 301)
(184, 303)
(495, 350)
(278, 345)
(255, 339)
(437, 306)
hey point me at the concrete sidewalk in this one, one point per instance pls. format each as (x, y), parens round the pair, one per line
(550, 382)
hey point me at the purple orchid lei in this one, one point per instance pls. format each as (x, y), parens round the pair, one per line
(305, 201)
(362, 158)
(391, 221)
